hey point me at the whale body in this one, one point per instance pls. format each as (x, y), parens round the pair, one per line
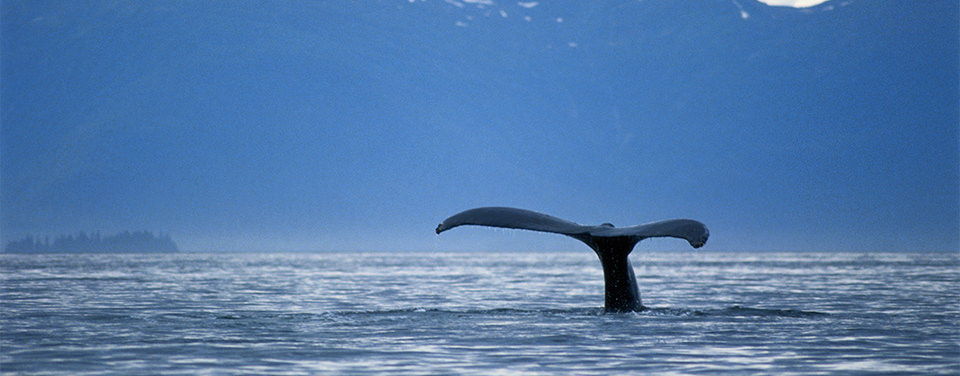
(611, 244)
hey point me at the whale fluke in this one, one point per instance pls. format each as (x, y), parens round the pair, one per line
(611, 244)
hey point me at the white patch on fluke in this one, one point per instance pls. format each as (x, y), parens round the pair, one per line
(529, 4)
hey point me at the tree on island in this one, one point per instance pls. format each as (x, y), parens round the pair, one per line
(137, 241)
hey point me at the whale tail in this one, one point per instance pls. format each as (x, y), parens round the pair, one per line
(611, 244)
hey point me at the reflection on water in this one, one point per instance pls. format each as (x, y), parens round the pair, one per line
(477, 313)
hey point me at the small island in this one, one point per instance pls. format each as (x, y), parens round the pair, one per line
(124, 242)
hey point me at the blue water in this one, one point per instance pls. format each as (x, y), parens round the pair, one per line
(478, 313)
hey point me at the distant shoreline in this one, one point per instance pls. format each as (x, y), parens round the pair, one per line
(124, 242)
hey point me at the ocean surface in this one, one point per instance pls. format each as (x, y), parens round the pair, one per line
(477, 313)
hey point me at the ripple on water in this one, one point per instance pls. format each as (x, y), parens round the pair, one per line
(447, 313)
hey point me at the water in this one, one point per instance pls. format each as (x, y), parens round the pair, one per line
(477, 313)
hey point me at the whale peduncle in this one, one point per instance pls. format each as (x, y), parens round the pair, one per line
(621, 293)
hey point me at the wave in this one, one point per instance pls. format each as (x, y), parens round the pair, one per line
(736, 311)
(732, 311)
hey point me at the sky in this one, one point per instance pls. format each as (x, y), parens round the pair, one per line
(344, 125)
